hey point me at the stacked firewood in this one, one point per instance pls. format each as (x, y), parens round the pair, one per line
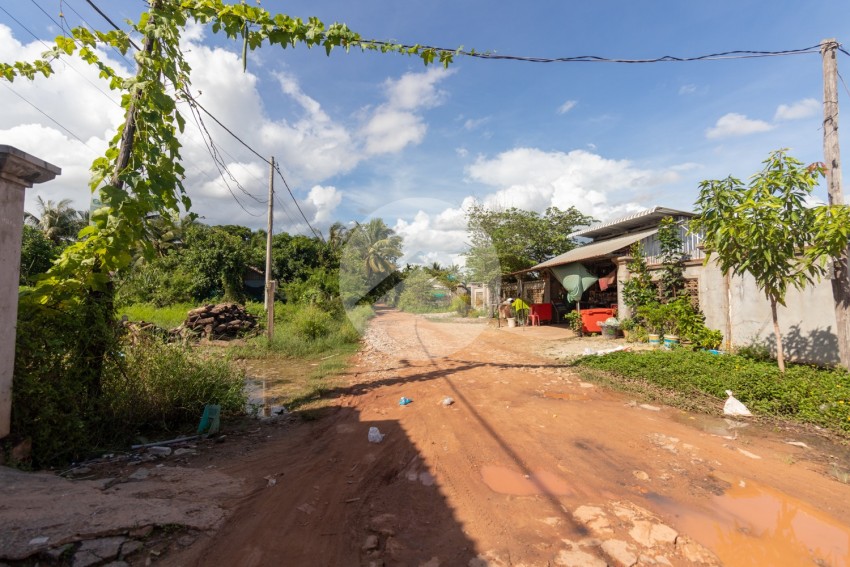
(222, 321)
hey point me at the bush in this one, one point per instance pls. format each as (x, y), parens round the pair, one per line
(155, 386)
(311, 322)
(70, 402)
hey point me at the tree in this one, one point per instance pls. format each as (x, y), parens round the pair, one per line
(369, 262)
(59, 221)
(520, 238)
(37, 254)
(673, 267)
(638, 290)
(766, 229)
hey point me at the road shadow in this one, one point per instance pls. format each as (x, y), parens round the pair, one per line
(325, 495)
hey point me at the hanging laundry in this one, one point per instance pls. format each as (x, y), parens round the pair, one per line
(607, 281)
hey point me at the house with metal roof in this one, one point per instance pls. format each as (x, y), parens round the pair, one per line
(591, 276)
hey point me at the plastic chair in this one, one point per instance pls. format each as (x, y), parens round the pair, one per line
(534, 319)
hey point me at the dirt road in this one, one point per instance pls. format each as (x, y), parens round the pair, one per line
(528, 466)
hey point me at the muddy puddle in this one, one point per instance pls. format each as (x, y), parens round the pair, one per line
(507, 481)
(722, 427)
(754, 525)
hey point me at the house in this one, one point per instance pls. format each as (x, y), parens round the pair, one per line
(592, 275)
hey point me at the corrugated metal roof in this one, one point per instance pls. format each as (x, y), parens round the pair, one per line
(594, 250)
(630, 222)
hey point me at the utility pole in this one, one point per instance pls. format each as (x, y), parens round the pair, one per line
(832, 162)
(270, 285)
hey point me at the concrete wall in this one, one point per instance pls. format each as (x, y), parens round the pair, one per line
(737, 307)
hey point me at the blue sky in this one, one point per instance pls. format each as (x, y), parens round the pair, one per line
(366, 134)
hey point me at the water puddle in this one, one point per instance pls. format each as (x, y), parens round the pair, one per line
(722, 427)
(564, 396)
(754, 525)
(506, 481)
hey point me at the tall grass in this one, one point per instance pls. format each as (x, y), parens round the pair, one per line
(156, 386)
(304, 331)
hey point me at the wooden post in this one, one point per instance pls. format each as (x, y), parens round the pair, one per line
(270, 287)
(18, 170)
(832, 162)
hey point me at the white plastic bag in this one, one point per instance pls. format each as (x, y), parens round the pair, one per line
(733, 406)
(375, 435)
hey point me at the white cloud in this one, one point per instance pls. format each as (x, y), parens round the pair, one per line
(734, 124)
(462, 152)
(798, 110)
(687, 89)
(567, 106)
(323, 201)
(397, 123)
(433, 238)
(473, 124)
(390, 130)
(533, 179)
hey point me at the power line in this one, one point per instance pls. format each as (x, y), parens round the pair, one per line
(82, 19)
(221, 167)
(74, 69)
(294, 200)
(737, 54)
(113, 24)
(23, 98)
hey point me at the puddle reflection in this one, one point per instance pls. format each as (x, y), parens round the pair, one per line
(506, 481)
(751, 524)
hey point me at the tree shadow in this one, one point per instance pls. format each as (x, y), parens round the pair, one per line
(818, 346)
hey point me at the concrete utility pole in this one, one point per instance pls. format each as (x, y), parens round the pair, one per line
(270, 285)
(832, 161)
(18, 171)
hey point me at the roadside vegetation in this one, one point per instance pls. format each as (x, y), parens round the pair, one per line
(697, 380)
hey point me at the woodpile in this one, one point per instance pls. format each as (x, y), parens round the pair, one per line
(222, 321)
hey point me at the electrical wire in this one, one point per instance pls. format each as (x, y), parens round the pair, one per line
(113, 24)
(725, 55)
(23, 98)
(294, 200)
(82, 19)
(74, 69)
(221, 167)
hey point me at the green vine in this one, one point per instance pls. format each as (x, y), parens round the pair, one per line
(140, 175)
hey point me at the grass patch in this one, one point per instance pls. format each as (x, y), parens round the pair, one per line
(696, 380)
(165, 317)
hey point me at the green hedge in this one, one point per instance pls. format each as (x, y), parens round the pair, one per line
(804, 393)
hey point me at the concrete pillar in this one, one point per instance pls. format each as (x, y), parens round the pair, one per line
(18, 171)
(623, 275)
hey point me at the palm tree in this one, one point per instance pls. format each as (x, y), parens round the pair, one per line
(378, 245)
(58, 221)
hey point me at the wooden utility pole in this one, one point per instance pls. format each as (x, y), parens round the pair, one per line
(832, 161)
(269, 283)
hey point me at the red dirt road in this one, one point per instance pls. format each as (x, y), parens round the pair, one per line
(529, 466)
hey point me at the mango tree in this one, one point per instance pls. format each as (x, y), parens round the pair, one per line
(768, 230)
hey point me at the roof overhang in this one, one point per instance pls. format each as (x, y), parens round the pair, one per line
(636, 221)
(595, 251)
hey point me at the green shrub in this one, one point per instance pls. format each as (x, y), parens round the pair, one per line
(460, 304)
(311, 322)
(804, 393)
(155, 386)
(78, 389)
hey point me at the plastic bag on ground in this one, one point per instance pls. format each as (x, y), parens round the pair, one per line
(375, 435)
(734, 407)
